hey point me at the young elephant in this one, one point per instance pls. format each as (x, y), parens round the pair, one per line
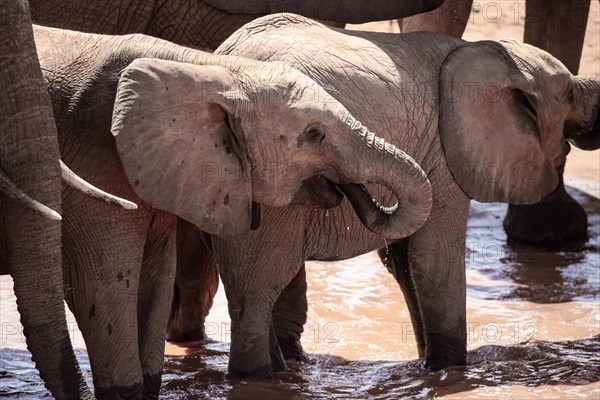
(199, 136)
(487, 121)
(559, 28)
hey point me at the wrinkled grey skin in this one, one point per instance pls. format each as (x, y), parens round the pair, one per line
(206, 24)
(347, 11)
(120, 264)
(467, 151)
(559, 28)
(31, 245)
(203, 25)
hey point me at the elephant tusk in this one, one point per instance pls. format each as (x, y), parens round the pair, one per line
(14, 192)
(76, 182)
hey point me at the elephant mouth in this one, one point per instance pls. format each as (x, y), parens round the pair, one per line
(318, 191)
(365, 203)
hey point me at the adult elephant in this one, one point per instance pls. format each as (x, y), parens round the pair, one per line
(200, 142)
(29, 155)
(510, 147)
(204, 24)
(559, 28)
(30, 240)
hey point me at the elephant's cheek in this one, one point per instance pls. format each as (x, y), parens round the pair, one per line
(274, 188)
(272, 195)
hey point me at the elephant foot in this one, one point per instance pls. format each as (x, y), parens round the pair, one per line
(292, 349)
(131, 392)
(552, 223)
(186, 322)
(277, 359)
(152, 386)
(278, 364)
(195, 334)
(265, 372)
(443, 351)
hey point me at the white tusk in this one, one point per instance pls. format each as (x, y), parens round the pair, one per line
(14, 192)
(76, 182)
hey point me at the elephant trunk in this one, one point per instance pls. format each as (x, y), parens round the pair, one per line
(35, 266)
(29, 150)
(583, 129)
(389, 166)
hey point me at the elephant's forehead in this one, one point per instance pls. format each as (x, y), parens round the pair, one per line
(535, 58)
(381, 79)
(347, 55)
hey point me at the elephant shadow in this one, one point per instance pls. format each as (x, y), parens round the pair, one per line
(202, 374)
(521, 272)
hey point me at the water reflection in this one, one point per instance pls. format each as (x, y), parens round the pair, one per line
(530, 273)
(533, 319)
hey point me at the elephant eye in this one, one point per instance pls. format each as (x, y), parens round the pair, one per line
(570, 96)
(313, 134)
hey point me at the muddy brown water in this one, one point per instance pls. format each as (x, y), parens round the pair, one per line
(533, 324)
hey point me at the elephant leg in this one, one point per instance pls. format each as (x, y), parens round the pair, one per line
(254, 273)
(277, 359)
(436, 258)
(154, 298)
(196, 283)
(289, 317)
(557, 219)
(450, 19)
(559, 28)
(395, 258)
(103, 254)
(4, 270)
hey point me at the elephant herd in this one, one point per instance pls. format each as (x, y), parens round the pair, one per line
(158, 142)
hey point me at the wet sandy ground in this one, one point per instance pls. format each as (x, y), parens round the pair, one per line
(533, 316)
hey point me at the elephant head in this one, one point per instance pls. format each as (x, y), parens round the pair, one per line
(506, 112)
(582, 128)
(207, 142)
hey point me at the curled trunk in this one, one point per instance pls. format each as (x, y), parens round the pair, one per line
(29, 156)
(389, 166)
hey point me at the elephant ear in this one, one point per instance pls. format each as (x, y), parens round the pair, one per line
(170, 123)
(488, 127)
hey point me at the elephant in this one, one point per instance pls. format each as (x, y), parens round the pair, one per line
(31, 244)
(489, 121)
(554, 221)
(194, 135)
(204, 24)
(559, 28)
(30, 205)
